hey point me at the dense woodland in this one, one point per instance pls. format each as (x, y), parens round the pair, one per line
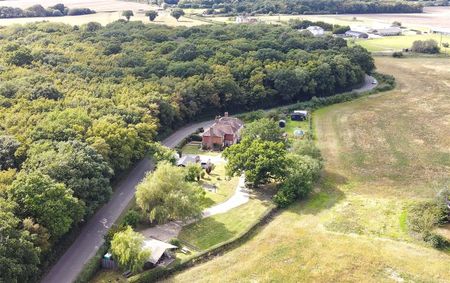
(78, 105)
(37, 10)
(298, 7)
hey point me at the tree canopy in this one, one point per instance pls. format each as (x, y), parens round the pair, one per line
(260, 160)
(18, 256)
(77, 165)
(50, 203)
(151, 15)
(127, 14)
(177, 13)
(166, 195)
(127, 248)
(264, 129)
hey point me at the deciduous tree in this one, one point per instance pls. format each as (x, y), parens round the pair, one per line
(50, 203)
(259, 160)
(166, 195)
(151, 15)
(19, 258)
(127, 14)
(8, 148)
(301, 174)
(127, 249)
(264, 129)
(78, 166)
(177, 13)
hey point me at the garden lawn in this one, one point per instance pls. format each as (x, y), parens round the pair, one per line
(225, 186)
(195, 149)
(382, 153)
(108, 276)
(219, 228)
(291, 126)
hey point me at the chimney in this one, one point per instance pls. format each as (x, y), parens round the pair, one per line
(225, 114)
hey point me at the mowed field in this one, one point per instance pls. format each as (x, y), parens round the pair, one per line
(398, 43)
(382, 152)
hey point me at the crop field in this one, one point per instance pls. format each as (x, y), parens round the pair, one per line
(381, 153)
(397, 43)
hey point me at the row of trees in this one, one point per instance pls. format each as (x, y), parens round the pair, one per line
(264, 156)
(37, 10)
(304, 6)
(78, 105)
(176, 13)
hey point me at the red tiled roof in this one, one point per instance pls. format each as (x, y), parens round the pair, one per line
(224, 126)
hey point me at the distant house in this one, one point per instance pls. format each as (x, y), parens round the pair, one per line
(224, 132)
(440, 31)
(390, 31)
(356, 34)
(316, 31)
(299, 115)
(243, 19)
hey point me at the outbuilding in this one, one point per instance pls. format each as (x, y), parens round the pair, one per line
(299, 115)
(159, 250)
(390, 31)
(356, 34)
(316, 30)
(187, 159)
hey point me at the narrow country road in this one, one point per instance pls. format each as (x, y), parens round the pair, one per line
(91, 236)
(367, 85)
(90, 239)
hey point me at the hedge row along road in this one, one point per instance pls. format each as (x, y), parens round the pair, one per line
(92, 234)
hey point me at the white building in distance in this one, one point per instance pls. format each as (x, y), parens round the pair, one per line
(316, 31)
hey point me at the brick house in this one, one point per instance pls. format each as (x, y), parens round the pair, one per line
(224, 132)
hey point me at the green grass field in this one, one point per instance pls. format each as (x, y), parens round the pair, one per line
(222, 227)
(398, 43)
(381, 153)
(195, 149)
(291, 126)
(108, 276)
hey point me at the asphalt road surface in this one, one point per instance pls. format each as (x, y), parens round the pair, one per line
(369, 84)
(91, 236)
(68, 267)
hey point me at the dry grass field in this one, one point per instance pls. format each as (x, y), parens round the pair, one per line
(433, 17)
(381, 152)
(107, 11)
